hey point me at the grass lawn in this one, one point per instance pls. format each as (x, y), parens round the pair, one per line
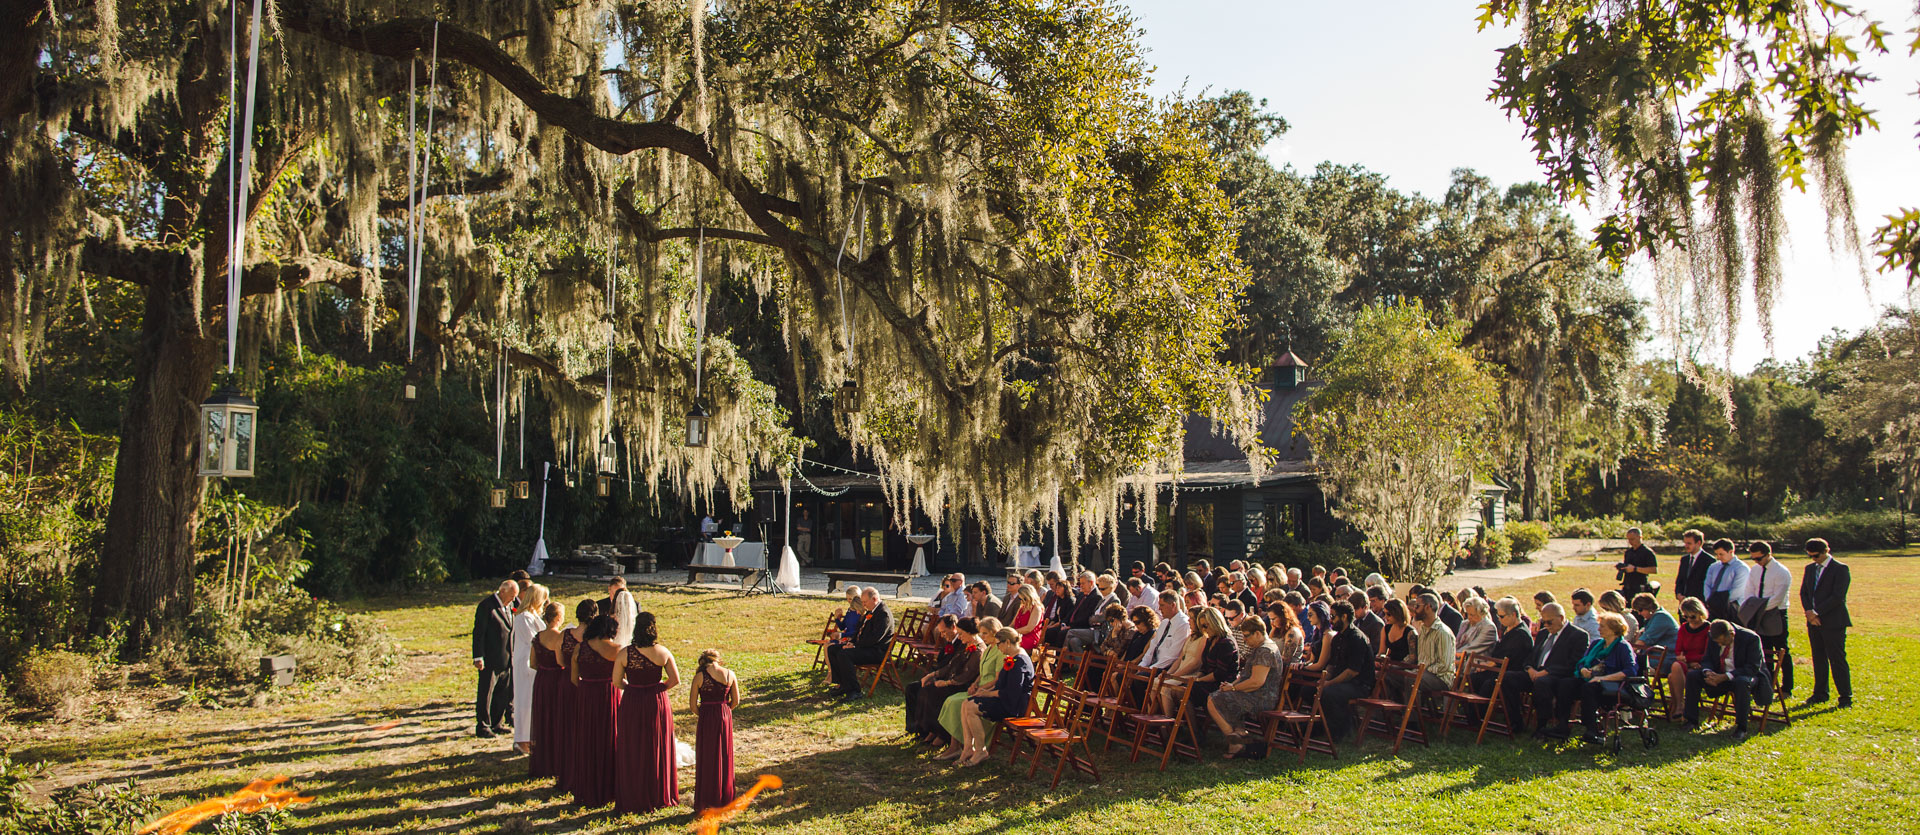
(846, 770)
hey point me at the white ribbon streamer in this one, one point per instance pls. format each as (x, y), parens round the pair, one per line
(243, 153)
(416, 214)
(700, 309)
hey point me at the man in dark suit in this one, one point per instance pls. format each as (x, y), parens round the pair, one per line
(868, 647)
(1690, 580)
(1735, 664)
(1823, 596)
(1369, 622)
(1553, 671)
(492, 640)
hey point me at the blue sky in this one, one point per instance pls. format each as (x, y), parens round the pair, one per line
(1399, 86)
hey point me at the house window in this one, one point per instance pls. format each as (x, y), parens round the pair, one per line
(1199, 519)
(1282, 521)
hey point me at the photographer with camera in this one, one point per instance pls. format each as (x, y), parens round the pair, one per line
(1636, 566)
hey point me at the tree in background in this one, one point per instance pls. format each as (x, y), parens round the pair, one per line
(1399, 432)
(1878, 401)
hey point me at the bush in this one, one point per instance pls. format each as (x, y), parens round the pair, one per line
(1489, 548)
(1304, 555)
(1527, 537)
(326, 642)
(1879, 529)
(87, 809)
(53, 678)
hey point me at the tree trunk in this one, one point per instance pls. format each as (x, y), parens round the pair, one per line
(147, 557)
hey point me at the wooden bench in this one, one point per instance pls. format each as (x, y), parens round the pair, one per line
(903, 583)
(748, 576)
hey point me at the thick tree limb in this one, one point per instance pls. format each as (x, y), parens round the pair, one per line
(473, 183)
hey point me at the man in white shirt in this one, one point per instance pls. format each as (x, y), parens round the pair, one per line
(1726, 576)
(709, 528)
(1163, 649)
(1141, 593)
(1765, 609)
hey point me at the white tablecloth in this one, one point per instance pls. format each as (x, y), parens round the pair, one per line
(748, 555)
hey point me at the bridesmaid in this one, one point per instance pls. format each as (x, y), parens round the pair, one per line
(552, 694)
(715, 693)
(644, 763)
(568, 708)
(597, 700)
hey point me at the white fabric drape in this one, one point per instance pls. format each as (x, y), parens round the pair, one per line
(525, 626)
(538, 565)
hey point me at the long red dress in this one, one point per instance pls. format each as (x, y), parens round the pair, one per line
(566, 717)
(713, 747)
(645, 766)
(590, 748)
(552, 699)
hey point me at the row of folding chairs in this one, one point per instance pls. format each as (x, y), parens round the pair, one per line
(1657, 660)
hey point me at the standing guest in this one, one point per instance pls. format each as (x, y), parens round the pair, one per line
(1005, 699)
(492, 659)
(1734, 665)
(868, 647)
(985, 605)
(1478, 634)
(552, 695)
(1397, 641)
(567, 727)
(715, 694)
(1690, 579)
(1433, 646)
(1370, 616)
(1193, 591)
(1583, 614)
(1726, 582)
(988, 672)
(1515, 646)
(1605, 667)
(952, 646)
(1169, 636)
(1611, 601)
(1348, 672)
(590, 750)
(646, 768)
(1765, 608)
(1141, 594)
(1636, 565)
(709, 528)
(1254, 691)
(1030, 621)
(528, 623)
(1823, 597)
(1554, 672)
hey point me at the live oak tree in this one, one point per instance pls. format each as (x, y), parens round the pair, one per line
(1399, 430)
(970, 209)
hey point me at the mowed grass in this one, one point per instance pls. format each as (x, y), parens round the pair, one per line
(846, 769)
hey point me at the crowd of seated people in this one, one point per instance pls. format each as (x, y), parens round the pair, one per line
(1235, 642)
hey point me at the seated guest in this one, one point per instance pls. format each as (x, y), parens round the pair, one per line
(1237, 590)
(1397, 639)
(1606, 665)
(1316, 587)
(1084, 620)
(1540, 601)
(1433, 645)
(1256, 688)
(1690, 644)
(1477, 631)
(1233, 610)
(1583, 614)
(869, 646)
(1257, 583)
(1370, 614)
(1030, 620)
(1006, 699)
(925, 695)
(1348, 672)
(1615, 602)
(1657, 627)
(1141, 594)
(1294, 585)
(847, 620)
(1137, 571)
(1217, 662)
(1734, 664)
(1554, 672)
(1123, 632)
(1448, 613)
(985, 674)
(985, 605)
(1169, 636)
(1516, 646)
(1059, 598)
(952, 599)
(1317, 629)
(1193, 592)
(1145, 623)
(1374, 581)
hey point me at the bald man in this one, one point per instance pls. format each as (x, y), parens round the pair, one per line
(492, 636)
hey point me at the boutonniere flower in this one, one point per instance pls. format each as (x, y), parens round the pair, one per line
(973, 648)
(1007, 664)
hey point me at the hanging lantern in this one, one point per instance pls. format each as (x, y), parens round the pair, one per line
(497, 497)
(848, 397)
(409, 393)
(226, 434)
(603, 486)
(522, 490)
(697, 426)
(609, 456)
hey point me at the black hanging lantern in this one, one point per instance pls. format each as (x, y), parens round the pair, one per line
(497, 497)
(848, 397)
(226, 434)
(697, 426)
(609, 456)
(522, 489)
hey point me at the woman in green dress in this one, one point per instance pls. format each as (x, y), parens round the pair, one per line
(990, 659)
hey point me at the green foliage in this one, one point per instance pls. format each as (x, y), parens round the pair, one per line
(1302, 554)
(53, 678)
(327, 643)
(1526, 538)
(55, 482)
(1854, 530)
(263, 822)
(1398, 431)
(92, 808)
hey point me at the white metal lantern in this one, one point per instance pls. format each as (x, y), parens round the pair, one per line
(410, 393)
(697, 426)
(609, 456)
(498, 497)
(848, 398)
(227, 421)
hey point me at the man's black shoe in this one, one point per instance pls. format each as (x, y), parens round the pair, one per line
(1845, 701)
(483, 732)
(1592, 738)
(1740, 735)
(1817, 698)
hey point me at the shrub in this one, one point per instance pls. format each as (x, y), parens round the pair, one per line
(1489, 548)
(1295, 553)
(93, 808)
(326, 642)
(1527, 537)
(53, 678)
(1879, 529)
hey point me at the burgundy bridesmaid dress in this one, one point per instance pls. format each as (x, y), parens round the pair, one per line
(566, 717)
(713, 748)
(590, 749)
(552, 699)
(645, 765)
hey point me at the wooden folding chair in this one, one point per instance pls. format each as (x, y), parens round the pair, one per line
(821, 643)
(1776, 710)
(1059, 739)
(1124, 702)
(1377, 713)
(1043, 705)
(1655, 663)
(1167, 730)
(888, 669)
(1297, 726)
(1467, 701)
